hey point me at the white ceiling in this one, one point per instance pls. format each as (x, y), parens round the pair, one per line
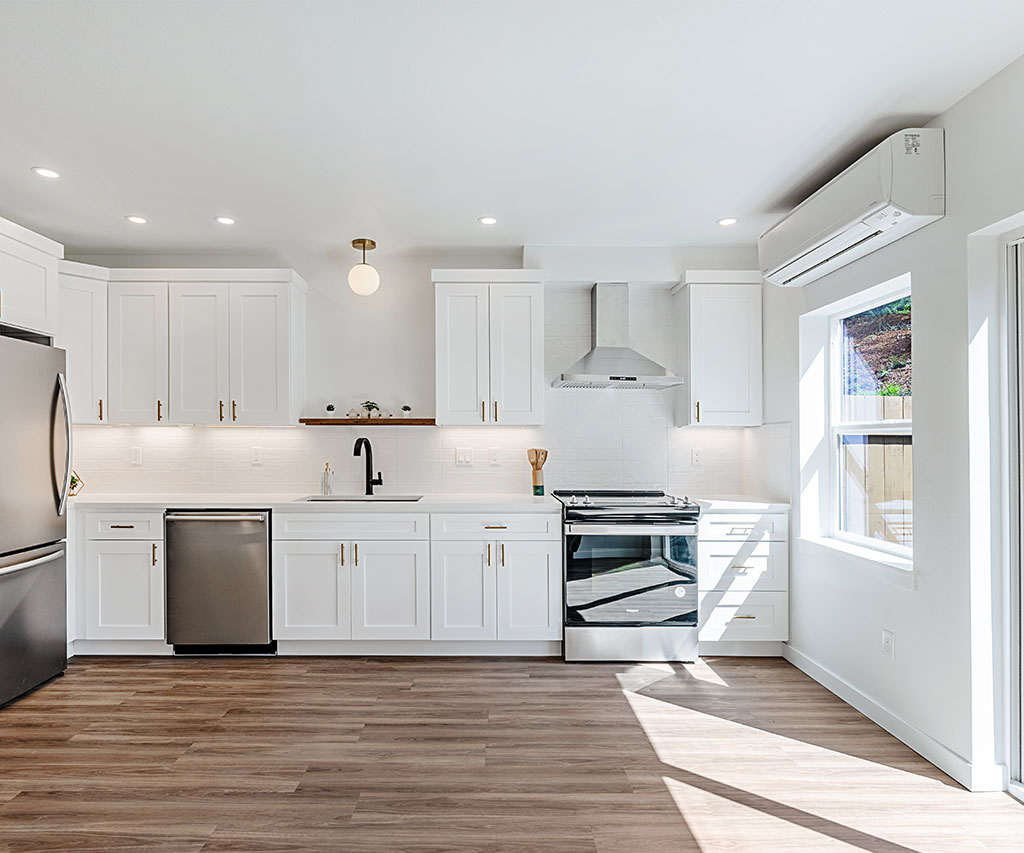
(592, 123)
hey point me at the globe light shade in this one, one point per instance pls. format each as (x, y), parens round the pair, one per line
(363, 279)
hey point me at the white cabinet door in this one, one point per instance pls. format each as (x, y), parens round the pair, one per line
(138, 352)
(124, 590)
(390, 590)
(723, 376)
(529, 590)
(462, 354)
(517, 353)
(82, 331)
(463, 580)
(28, 279)
(260, 357)
(199, 353)
(312, 590)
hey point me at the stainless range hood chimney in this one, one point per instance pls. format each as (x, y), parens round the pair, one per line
(611, 363)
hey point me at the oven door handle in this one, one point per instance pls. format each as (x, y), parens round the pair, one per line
(631, 529)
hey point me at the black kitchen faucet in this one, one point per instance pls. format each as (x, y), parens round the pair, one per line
(371, 481)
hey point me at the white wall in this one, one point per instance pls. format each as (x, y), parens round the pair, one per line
(382, 348)
(944, 681)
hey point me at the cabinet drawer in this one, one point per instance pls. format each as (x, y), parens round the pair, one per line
(744, 616)
(124, 524)
(731, 527)
(743, 566)
(350, 525)
(507, 526)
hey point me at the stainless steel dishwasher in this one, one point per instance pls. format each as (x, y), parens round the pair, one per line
(218, 581)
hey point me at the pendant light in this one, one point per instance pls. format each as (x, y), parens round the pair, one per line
(362, 278)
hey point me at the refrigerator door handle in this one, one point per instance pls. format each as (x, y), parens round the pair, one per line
(66, 490)
(20, 567)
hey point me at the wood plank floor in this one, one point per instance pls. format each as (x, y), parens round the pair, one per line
(405, 754)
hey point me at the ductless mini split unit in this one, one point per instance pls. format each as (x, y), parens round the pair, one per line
(894, 189)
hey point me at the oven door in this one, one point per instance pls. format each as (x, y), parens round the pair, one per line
(630, 574)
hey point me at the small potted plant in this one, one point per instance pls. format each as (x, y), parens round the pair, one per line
(372, 409)
(406, 411)
(330, 407)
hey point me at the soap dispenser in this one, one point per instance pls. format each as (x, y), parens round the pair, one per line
(327, 480)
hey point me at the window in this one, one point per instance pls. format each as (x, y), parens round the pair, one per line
(871, 417)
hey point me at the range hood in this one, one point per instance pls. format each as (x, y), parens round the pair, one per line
(611, 363)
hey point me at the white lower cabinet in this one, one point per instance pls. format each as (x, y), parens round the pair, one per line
(529, 591)
(124, 590)
(463, 585)
(312, 591)
(390, 590)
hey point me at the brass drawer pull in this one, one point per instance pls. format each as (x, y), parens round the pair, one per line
(503, 553)
(744, 617)
(234, 410)
(495, 411)
(154, 553)
(159, 409)
(698, 411)
(343, 553)
(495, 527)
(122, 526)
(488, 553)
(483, 411)
(357, 553)
(101, 408)
(222, 410)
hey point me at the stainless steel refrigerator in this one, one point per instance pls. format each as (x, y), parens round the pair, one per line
(35, 479)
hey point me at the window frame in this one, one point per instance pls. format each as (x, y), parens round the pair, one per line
(836, 427)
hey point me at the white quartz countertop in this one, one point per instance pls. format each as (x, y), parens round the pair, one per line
(739, 503)
(294, 503)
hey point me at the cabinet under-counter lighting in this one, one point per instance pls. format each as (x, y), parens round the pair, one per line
(165, 346)
(489, 327)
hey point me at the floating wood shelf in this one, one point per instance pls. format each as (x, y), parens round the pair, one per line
(367, 421)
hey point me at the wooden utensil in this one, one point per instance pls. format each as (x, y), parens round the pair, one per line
(537, 456)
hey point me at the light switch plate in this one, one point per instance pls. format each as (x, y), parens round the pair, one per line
(463, 455)
(889, 644)
(256, 456)
(135, 456)
(697, 457)
(495, 456)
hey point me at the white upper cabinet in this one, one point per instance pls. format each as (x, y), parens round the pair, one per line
(198, 352)
(82, 332)
(517, 353)
(207, 346)
(489, 346)
(718, 333)
(28, 279)
(137, 337)
(261, 356)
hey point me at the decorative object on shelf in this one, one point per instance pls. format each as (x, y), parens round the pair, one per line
(354, 413)
(363, 278)
(327, 480)
(77, 484)
(537, 457)
(330, 407)
(385, 413)
(406, 411)
(362, 420)
(371, 409)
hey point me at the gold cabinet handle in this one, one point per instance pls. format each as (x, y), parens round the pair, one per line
(234, 410)
(495, 411)
(698, 411)
(222, 411)
(483, 411)
(159, 408)
(101, 408)
(488, 553)
(495, 527)
(503, 553)
(122, 526)
(357, 553)
(744, 617)
(154, 553)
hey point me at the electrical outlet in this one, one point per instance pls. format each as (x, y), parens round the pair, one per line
(697, 457)
(889, 644)
(256, 456)
(135, 456)
(463, 455)
(495, 455)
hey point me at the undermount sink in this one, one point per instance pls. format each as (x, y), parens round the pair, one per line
(405, 498)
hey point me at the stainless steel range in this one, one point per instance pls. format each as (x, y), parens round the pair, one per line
(630, 575)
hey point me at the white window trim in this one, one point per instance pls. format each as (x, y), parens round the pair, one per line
(835, 428)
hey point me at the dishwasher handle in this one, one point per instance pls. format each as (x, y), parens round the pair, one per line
(261, 517)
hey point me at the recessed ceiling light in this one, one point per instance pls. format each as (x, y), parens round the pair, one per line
(729, 220)
(225, 220)
(136, 220)
(43, 172)
(487, 220)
